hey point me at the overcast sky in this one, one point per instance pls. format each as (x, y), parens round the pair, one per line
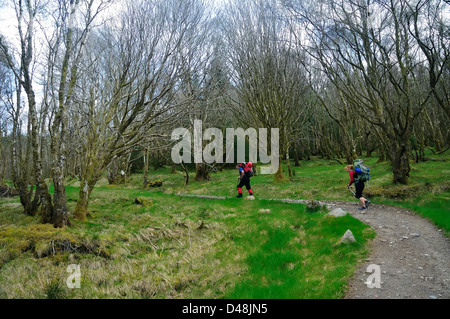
(8, 21)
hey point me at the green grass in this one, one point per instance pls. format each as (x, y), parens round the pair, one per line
(180, 247)
(300, 259)
(184, 247)
(427, 192)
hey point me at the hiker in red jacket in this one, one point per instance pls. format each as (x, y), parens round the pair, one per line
(245, 172)
(359, 187)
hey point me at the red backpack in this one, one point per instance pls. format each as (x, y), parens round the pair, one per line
(247, 169)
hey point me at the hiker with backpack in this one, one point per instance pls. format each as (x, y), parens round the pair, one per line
(358, 175)
(245, 173)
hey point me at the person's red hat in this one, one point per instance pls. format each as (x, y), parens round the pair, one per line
(249, 164)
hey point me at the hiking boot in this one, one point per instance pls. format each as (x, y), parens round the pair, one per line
(239, 196)
(362, 208)
(367, 203)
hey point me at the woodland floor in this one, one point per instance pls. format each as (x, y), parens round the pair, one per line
(412, 253)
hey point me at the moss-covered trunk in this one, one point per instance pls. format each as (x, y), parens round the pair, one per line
(279, 176)
(81, 209)
(400, 151)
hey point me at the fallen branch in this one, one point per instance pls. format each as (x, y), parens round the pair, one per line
(442, 152)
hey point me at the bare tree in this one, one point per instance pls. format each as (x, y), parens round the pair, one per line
(26, 13)
(372, 63)
(6, 97)
(267, 70)
(73, 20)
(427, 25)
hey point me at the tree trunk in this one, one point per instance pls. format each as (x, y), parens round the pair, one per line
(288, 163)
(112, 173)
(202, 172)
(41, 195)
(60, 216)
(296, 159)
(422, 147)
(400, 161)
(81, 209)
(186, 174)
(254, 168)
(25, 200)
(145, 168)
(439, 139)
(47, 208)
(278, 177)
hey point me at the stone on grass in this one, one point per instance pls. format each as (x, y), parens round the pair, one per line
(264, 211)
(347, 238)
(338, 212)
(250, 197)
(314, 206)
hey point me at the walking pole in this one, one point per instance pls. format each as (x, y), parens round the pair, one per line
(351, 190)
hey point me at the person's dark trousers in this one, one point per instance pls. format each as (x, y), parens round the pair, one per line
(244, 182)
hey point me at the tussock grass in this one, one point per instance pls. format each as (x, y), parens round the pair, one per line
(176, 248)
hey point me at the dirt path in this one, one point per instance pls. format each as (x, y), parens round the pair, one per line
(412, 254)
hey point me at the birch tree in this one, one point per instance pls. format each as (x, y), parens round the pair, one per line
(73, 21)
(31, 186)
